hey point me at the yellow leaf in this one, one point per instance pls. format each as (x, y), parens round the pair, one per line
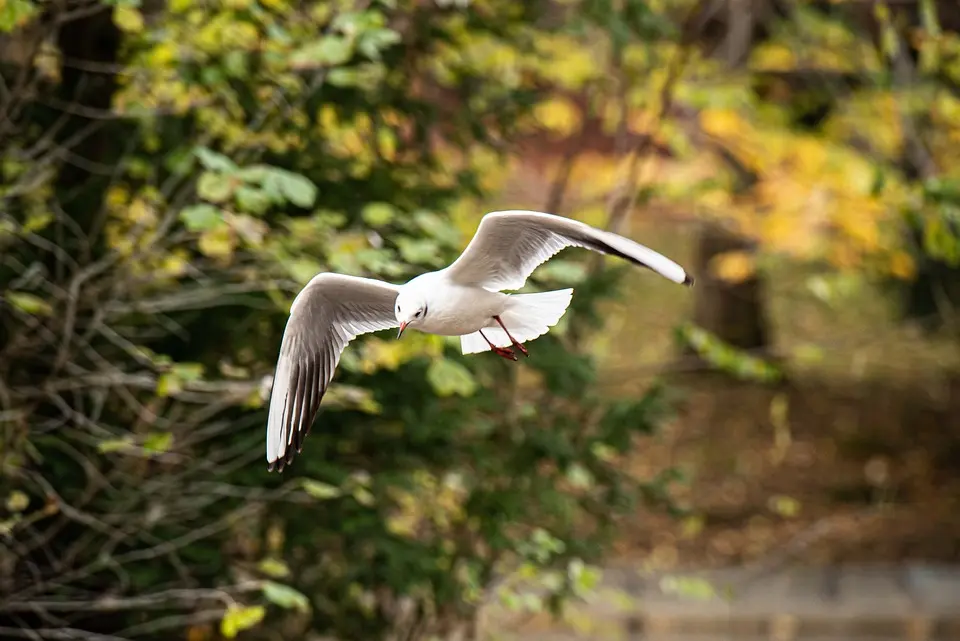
(217, 243)
(174, 264)
(17, 501)
(785, 506)
(722, 123)
(773, 57)
(128, 18)
(559, 115)
(902, 265)
(733, 267)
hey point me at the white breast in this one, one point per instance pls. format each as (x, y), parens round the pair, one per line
(455, 310)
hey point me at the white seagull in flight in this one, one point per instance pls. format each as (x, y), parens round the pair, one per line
(463, 299)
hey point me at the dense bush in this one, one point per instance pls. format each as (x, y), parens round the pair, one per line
(171, 178)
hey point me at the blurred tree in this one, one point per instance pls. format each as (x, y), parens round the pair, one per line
(171, 176)
(794, 129)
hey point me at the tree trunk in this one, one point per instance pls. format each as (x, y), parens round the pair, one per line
(735, 312)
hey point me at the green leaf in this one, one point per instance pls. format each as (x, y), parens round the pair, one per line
(285, 596)
(169, 384)
(236, 64)
(239, 618)
(252, 200)
(450, 377)
(319, 490)
(15, 13)
(363, 496)
(328, 51)
(254, 173)
(114, 444)
(215, 187)
(422, 251)
(37, 221)
(302, 269)
(188, 372)
(298, 189)
(378, 214)
(29, 303)
(158, 442)
(373, 42)
(579, 476)
(201, 217)
(214, 161)
(567, 272)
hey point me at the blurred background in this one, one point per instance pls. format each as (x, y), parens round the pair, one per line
(172, 173)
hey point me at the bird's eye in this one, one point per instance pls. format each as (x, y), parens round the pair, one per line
(417, 315)
(398, 309)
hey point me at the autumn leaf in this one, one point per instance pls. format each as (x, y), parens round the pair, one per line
(239, 618)
(558, 115)
(29, 303)
(733, 267)
(722, 123)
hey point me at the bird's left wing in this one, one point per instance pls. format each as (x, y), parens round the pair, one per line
(509, 245)
(328, 313)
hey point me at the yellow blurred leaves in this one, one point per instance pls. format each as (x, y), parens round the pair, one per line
(559, 115)
(812, 196)
(218, 243)
(564, 61)
(377, 353)
(733, 267)
(773, 56)
(433, 503)
(902, 265)
(722, 123)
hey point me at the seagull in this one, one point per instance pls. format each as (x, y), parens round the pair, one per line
(464, 299)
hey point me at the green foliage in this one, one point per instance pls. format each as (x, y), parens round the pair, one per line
(252, 144)
(239, 618)
(15, 14)
(725, 357)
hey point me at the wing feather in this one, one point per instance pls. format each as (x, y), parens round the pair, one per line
(326, 315)
(509, 245)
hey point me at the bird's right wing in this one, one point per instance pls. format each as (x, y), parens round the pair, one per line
(509, 245)
(328, 313)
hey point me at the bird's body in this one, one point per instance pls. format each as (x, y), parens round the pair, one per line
(464, 299)
(463, 309)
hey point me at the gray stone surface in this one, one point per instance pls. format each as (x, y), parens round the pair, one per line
(913, 602)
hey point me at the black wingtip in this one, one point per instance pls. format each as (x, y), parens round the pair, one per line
(689, 280)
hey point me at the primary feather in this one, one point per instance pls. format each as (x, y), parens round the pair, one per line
(326, 315)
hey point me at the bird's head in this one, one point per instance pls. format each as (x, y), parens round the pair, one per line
(410, 309)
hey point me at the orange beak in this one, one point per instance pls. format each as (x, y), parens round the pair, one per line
(403, 326)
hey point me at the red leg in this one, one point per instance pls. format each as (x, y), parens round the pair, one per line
(515, 342)
(505, 352)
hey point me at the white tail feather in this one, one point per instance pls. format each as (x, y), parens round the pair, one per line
(528, 316)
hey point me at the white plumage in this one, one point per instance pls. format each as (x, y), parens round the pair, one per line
(463, 299)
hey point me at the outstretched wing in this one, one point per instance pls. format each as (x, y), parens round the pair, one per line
(509, 245)
(328, 313)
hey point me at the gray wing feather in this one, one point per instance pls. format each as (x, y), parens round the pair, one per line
(328, 313)
(509, 245)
